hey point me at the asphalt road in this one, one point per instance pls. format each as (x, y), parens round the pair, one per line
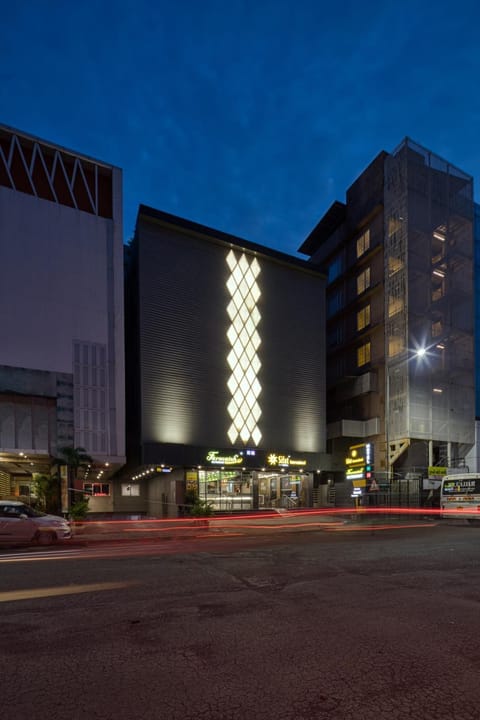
(352, 625)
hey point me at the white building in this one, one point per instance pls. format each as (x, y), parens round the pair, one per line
(62, 323)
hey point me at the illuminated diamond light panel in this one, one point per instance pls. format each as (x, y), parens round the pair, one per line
(244, 339)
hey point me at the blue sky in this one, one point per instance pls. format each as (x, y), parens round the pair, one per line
(249, 116)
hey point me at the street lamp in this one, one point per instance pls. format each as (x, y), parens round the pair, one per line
(416, 355)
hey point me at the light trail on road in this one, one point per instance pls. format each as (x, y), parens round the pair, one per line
(86, 553)
(209, 541)
(361, 528)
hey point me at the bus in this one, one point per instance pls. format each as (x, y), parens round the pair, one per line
(460, 497)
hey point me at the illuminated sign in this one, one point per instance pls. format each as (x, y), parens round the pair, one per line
(285, 461)
(355, 474)
(361, 483)
(435, 471)
(359, 462)
(191, 478)
(216, 459)
(463, 486)
(354, 459)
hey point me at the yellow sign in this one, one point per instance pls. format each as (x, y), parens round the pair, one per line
(359, 463)
(286, 460)
(355, 472)
(358, 460)
(360, 454)
(359, 483)
(433, 470)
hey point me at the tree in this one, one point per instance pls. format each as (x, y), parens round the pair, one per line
(47, 490)
(74, 458)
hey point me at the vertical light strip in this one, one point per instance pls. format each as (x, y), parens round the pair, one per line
(244, 339)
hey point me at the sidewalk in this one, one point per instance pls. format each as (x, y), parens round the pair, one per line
(252, 524)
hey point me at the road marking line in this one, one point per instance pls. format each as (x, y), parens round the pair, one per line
(55, 553)
(55, 591)
(37, 558)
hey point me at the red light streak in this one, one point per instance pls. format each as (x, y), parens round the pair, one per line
(321, 518)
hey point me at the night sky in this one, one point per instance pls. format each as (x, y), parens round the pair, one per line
(249, 116)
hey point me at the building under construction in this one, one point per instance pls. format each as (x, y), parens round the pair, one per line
(399, 255)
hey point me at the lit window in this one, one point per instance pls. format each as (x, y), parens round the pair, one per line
(96, 488)
(438, 284)
(395, 224)
(395, 264)
(437, 328)
(363, 317)
(363, 281)
(363, 354)
(395, 305)
(363, 243)
(131, 489)
(438, 244)
(396, 345)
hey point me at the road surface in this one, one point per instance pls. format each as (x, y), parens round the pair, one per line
(318, 625)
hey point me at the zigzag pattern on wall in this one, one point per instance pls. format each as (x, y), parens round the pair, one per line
(243, 360)
(47, 172)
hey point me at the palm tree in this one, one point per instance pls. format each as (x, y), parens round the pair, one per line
(74, 458)
(47, 489)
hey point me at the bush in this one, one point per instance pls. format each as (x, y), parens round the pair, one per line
(79, 509)
(201, 508)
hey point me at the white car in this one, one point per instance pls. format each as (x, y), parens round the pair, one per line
(20, 523)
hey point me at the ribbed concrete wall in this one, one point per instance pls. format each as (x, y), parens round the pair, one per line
(183, 325)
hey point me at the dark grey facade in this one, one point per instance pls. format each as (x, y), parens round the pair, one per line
(187, 287)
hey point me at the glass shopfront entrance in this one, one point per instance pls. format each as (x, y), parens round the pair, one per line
(282, 490)
(237, 489)
(226, 490)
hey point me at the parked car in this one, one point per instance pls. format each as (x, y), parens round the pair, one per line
(19, 523)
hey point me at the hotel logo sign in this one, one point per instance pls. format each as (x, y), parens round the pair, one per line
(275, 459)
(215, 458)
(359, 462)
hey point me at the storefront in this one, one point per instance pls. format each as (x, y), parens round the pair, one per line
(284, 490)
(239, 481)
(227, 490)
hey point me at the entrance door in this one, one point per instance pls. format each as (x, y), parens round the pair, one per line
(226, 490)
(282, 490)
